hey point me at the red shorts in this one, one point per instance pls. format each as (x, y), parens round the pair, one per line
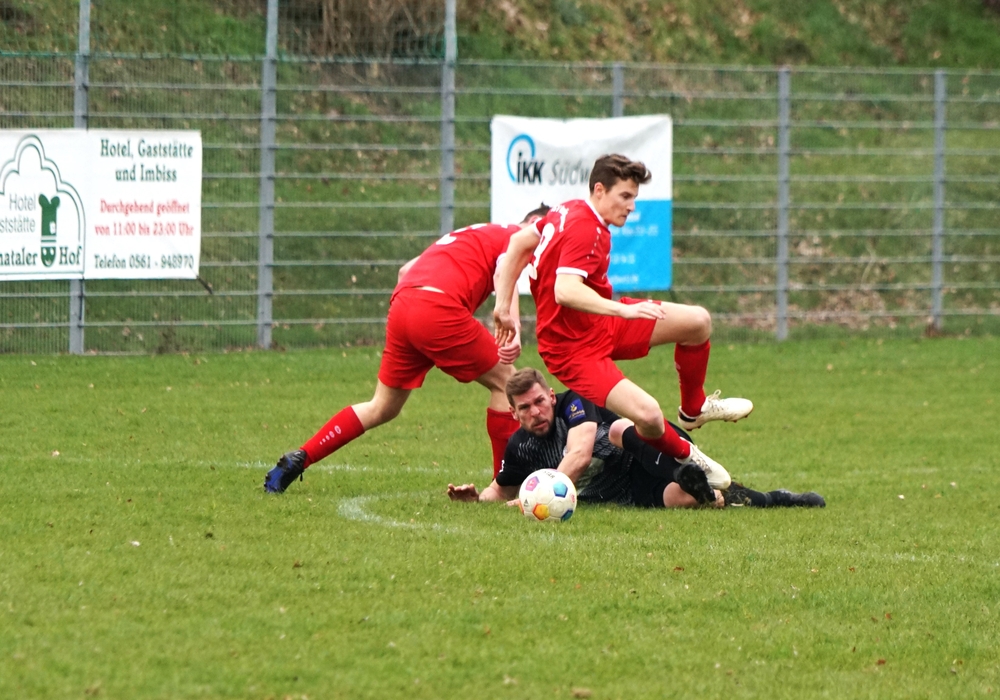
(428, 329)
(587, 366)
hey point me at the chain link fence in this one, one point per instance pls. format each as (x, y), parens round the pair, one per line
(806, 201)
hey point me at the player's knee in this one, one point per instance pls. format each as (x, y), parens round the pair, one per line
(618, 429)
(649, 420)
(504, 373)
(496, 378)
(700, 324)
(676, 497)
(379, 412)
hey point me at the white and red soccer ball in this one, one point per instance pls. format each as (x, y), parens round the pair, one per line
(547, 496)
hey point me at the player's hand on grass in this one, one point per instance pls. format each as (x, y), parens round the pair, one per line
(513, 503)
(466, 493)
(644, 309)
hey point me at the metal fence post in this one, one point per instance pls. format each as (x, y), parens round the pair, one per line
(617, 90)
(268, 123)
(784, 127)
(448, 119)
(937, 238)
(81, 80)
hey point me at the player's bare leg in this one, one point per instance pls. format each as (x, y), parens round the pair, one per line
(630, 401)
(500, 422)
(690, 477)
(676, 497)
(350, 423)
(383, 407)
(627, 399)
(684, 325)
(689, 328)
(496, 381)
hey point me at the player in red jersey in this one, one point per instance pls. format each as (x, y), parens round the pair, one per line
(431, 324)
(582, 331)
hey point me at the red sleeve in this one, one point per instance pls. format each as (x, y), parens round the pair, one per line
(579, 252)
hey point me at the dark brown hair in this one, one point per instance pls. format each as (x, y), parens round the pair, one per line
(611, 168)
(522, 380)
(541, 211)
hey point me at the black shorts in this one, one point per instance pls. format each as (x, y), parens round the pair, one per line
(651, 471)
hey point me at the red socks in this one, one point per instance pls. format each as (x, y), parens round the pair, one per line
(692, 363)
(345, 426)
(500, 425)
(670, 443)
(337, 432)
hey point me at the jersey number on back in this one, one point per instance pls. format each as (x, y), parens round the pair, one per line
(548, 231)
(451, 237)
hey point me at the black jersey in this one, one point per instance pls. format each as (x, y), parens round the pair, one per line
(606, 478)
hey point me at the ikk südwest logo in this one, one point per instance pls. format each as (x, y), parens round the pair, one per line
(526, 166)
(521, 164)
(41, 216)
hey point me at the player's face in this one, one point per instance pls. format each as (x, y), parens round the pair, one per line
(615, 204)
(535, 410)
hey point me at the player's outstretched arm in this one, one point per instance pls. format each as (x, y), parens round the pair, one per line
(519, 250)
(494, 492)
(570, 291)
(465, 492)
(511, 350)
(579, 450)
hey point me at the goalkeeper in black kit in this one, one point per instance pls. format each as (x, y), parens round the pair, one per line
(604, 457)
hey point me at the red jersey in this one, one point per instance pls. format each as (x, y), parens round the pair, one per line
(576, 241)
(462, 263)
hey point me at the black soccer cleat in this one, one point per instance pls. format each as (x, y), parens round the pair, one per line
(789, 499)
(288, 469)
(694, 481)
(737, 495)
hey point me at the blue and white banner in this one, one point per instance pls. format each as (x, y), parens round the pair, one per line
(549, 160)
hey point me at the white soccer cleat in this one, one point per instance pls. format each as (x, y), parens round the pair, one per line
(716, 408)
(718, 477)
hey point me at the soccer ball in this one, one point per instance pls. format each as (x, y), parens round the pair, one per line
(547, 495)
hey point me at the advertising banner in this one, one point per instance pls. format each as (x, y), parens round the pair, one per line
(100, 204)
(549, 160)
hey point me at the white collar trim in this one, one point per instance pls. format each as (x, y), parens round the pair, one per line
(599, 217)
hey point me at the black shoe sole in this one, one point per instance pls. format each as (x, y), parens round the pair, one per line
(694, 481)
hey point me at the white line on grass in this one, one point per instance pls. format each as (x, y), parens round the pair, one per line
(355, 509)
(352, 468)
(401, 468)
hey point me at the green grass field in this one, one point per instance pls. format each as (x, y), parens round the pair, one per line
(862, 162)
(139, 557)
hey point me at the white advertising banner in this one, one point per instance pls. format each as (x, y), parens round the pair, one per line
(549, 160)
(100, 204)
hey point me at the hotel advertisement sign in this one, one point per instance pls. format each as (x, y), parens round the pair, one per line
(100, 204)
